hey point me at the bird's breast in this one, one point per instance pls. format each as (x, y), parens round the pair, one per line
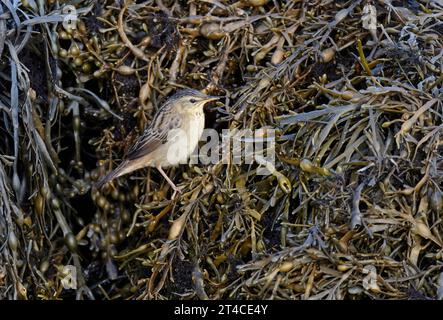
(183, 141)
(195, 127)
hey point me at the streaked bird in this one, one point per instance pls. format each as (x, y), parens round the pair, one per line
(170, 138)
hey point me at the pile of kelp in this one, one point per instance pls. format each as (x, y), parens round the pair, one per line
(351, 209)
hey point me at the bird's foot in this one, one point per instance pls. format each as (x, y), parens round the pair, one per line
(177, 190)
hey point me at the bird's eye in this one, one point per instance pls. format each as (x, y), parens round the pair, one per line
(192, 101)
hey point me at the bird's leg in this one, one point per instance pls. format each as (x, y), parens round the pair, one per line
(173, 186)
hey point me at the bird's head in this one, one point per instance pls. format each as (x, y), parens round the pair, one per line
(190, 100)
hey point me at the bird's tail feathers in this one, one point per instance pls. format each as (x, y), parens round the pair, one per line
(117, 172)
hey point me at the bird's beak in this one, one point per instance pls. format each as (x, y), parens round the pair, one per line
(211, 98)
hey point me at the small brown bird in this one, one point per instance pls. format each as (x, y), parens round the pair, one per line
(170, 138)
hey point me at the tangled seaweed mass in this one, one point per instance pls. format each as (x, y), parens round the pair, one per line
(353, 208)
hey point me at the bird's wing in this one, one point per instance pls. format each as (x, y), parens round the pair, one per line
(156, 134)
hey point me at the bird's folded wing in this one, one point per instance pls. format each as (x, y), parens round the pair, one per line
(145, 145)
(154, 136)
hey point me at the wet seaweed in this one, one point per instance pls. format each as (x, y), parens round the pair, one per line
(351, 211)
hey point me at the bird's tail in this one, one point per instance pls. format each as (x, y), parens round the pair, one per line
(117, 172)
